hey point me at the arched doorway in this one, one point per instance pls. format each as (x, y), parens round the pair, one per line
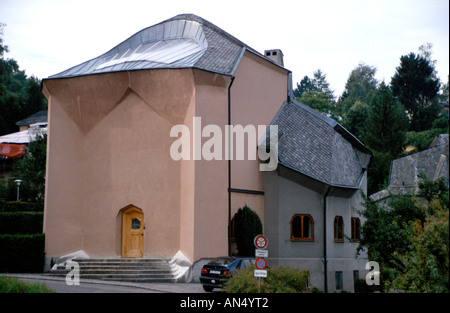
(132, 233)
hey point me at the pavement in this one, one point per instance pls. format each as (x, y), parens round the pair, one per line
(59, 285)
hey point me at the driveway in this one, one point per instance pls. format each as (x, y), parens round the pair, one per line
(59, 285)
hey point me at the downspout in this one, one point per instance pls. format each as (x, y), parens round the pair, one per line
(325, 267)
(229, 167)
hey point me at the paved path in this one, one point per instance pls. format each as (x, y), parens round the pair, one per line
(59, 285)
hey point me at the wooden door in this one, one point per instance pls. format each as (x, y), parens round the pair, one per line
(133, 233)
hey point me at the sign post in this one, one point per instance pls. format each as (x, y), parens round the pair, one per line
(261, 243)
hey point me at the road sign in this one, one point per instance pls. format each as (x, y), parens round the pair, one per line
(261, 242)
(260, 273)
(261, 253)
(261, 264)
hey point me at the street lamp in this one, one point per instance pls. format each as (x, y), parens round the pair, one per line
(18, 182)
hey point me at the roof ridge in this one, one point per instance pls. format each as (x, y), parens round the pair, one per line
(214, 27)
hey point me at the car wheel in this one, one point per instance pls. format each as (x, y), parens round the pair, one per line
(208, 288)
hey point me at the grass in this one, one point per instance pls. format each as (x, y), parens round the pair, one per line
(14, 285)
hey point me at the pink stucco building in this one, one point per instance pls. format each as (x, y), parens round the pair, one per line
(113, 188)
(109, 141)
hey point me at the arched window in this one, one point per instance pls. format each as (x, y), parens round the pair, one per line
(302, 227)
(338, 229)
(356, 229)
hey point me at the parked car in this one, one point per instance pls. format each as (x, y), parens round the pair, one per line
(215, 273)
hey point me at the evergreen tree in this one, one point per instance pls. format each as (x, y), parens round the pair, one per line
(385, 126)
(416, 87)
(304, 85)
(247, 226)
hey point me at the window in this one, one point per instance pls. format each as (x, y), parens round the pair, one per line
(302, 227)
(135, 224)
(355, 279)
(339, 280)
(356, 229)
(338, 229)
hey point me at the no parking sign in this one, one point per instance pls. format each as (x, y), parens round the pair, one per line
(261, 263)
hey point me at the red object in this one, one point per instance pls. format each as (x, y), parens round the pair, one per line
(261, 263)
(12, 151)
(261, 242)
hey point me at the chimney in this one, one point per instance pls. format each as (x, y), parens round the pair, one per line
(275, 55)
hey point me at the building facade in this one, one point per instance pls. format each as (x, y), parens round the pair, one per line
(113, 187)
(313, 198)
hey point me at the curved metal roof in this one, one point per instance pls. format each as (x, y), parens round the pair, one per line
(183, 41)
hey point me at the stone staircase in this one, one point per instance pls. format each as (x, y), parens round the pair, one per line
(142, 270)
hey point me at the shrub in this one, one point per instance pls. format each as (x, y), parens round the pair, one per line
(21, 222)
(20, 206)
(22, 253)
(280, 279)
(247, 226)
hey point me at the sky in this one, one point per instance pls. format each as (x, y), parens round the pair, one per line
(46, 37)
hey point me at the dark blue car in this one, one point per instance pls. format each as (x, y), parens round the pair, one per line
(218, 271)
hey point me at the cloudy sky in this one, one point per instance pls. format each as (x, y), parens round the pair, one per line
(48, 36)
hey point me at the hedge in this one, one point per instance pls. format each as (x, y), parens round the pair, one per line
(280, 279)
(22, 253)
(20, 206)
(14, 223)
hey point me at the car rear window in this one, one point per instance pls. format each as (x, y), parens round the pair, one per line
(222, 261)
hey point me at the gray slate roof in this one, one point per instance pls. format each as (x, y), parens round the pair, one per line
(315, 145)
(433, 162)
(38, 117)
(183, 41)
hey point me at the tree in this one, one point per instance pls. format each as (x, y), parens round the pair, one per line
(360, 86)
(319, 101)
(355, 119)
(318, 83)
(247, 225)
(386, 123)
(19, 96)
(417, 89)
(409, 238)
(378, 171)
(321, 84)
(31, 169)
(305, 85)
(425, 267)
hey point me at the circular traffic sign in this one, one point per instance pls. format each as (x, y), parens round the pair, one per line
(261, 263)
(261, 242)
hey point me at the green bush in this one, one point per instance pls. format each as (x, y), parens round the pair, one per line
(247, 226)
(280, 279)
(20, 206)
(421, 140)
(14, 223)
(22, 253)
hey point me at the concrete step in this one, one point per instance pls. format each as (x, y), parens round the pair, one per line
(127, 269)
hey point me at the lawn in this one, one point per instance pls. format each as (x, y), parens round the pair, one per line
(14, 285)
